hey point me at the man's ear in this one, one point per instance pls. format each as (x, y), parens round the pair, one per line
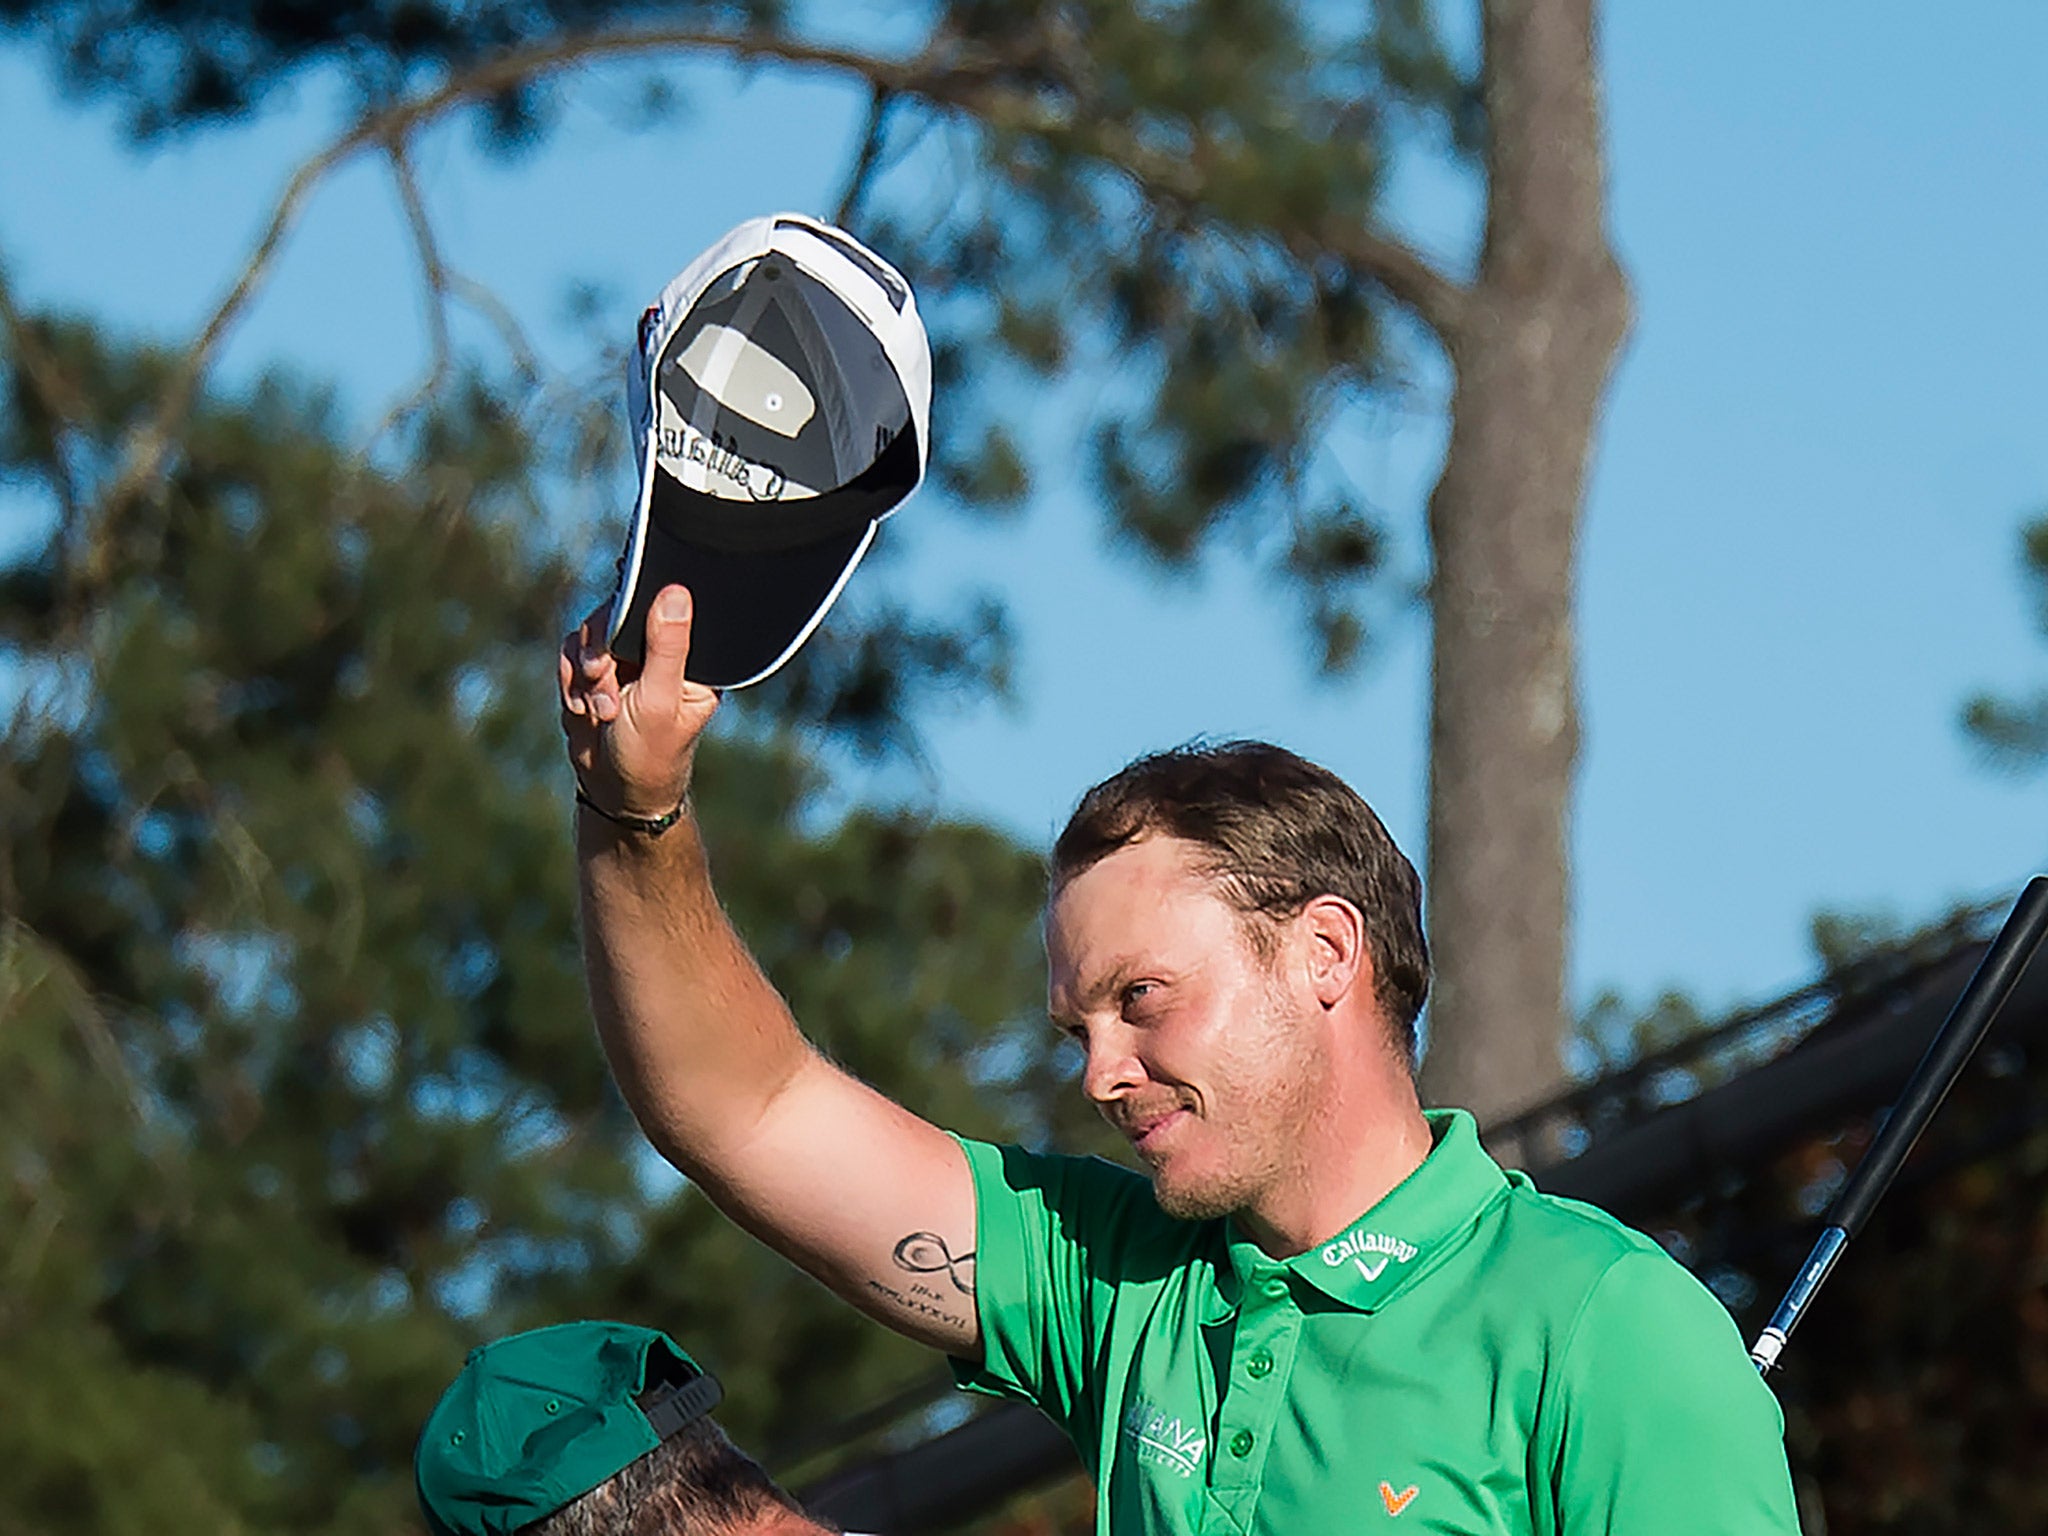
(1339, 964)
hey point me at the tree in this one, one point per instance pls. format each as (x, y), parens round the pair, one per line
(298, 1098)
(1198, 191)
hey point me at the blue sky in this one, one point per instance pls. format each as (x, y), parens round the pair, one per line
(1800, 545)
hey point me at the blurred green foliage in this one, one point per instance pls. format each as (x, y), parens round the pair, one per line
(1228, 356)
(172, 66)
(298, 1093)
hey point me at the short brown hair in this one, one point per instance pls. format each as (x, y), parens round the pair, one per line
(1278, 831)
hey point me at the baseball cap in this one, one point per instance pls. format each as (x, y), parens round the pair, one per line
(536, 1420)
(778, 399)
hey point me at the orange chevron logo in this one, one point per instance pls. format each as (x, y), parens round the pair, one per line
(1396, 1502)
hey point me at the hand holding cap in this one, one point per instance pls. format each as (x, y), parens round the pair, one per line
(633, 738)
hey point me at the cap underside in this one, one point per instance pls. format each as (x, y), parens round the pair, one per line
(750, 608)
(772, 391)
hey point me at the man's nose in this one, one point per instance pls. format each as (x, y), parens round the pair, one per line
(1113, 1070)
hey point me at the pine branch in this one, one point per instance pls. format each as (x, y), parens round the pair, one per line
(947, 76)
(433, 277)
(868, 160)
(37, 365)
(1409, 278)
(150, 444)
(444, 286)
(46, 380)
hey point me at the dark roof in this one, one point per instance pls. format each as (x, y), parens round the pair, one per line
(1853, 1063)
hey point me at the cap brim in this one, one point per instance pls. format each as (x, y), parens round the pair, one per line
(752, 610)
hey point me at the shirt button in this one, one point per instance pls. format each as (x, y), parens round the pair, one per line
(1259, 1366)
(1241, 1443)
(1276, 1287)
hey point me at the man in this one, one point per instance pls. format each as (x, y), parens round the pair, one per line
(1329, 1310)
(591, 1429)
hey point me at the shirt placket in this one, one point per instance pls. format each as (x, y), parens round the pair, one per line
(1261, 1361)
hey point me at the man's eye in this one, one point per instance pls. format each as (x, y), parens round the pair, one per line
(1137, 992)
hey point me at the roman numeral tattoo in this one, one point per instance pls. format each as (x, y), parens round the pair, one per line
(936, 1278)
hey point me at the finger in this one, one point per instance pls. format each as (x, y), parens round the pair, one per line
(599, 700)
(660, 684)
(576, 729)
(591, 656)
(593, 637)
(565, 675)
(601, 682)
(581, 728)
(589, 687)
(596, 666)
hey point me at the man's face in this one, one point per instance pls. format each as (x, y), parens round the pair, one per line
(1199, 1050)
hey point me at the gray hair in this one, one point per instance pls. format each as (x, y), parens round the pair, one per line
(695, 1483)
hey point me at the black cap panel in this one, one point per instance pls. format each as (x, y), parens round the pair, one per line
(750, 607)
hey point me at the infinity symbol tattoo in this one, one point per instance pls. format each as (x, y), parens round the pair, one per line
(926, 1253)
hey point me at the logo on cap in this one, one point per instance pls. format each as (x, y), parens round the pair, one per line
(680, 443)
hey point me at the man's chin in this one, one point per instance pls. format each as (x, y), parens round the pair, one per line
(1187, 1199)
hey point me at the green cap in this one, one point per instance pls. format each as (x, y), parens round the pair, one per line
(538, 1419)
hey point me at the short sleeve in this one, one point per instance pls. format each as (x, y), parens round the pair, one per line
(1662, 1423)
(1049, 1233)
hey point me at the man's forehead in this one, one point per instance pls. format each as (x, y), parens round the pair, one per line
(1108, 919)
(1152, 861)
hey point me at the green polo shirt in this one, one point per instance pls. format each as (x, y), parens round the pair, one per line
(1469, 1356)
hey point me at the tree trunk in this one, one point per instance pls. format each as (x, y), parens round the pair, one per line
(1531, 358)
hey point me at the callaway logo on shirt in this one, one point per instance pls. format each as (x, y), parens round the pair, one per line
(1355, 1246)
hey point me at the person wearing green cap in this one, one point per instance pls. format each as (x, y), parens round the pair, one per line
(1320, 1308)
(591, 1429)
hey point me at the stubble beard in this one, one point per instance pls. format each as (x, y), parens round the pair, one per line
(1264, 1122)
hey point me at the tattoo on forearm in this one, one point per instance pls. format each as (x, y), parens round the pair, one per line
(923, 1254)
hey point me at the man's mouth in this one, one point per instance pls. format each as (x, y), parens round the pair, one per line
(1147, 1134)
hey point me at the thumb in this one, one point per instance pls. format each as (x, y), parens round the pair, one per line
(667, 650)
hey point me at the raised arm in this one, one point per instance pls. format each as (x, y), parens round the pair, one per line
(873, 1201)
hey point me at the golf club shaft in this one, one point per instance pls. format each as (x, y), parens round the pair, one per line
(1997, 974)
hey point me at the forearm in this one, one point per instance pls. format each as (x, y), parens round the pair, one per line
(698, 1039)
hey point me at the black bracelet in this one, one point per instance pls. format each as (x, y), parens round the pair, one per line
(652, 826)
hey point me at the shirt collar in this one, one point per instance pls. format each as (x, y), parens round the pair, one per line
(1381, 1253)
